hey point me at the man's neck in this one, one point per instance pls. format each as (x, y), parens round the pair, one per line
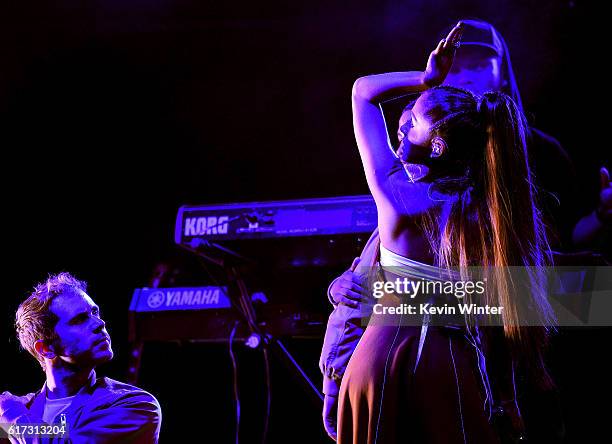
(63, 382)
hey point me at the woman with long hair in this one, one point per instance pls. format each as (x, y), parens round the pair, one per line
(475, 207)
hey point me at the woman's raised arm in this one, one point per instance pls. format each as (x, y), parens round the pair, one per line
(369, 125)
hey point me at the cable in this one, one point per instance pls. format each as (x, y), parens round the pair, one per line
(246, 302)
(235, 373)
(450, 348)
(245, 307)
(264, 436)
(239, 308)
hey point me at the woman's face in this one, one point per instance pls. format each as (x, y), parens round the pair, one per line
(415, 128)
(403, 120)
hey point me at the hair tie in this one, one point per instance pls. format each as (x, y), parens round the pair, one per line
(479, 102)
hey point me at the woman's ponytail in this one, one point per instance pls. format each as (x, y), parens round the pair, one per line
(517, 232)
(492, 220)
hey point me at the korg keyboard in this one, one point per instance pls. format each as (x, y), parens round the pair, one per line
(280, 219)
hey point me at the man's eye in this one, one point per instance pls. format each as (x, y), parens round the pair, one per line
(79, 319)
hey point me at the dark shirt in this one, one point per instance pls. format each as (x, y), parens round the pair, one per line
(554, 179)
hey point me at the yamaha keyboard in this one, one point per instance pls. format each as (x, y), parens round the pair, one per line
(204, 314)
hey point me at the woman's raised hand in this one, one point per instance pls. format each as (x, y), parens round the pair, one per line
(441, 59)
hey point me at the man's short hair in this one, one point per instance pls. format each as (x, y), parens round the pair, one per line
(34, 320)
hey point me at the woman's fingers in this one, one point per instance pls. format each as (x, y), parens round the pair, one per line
(453, 38)
(440, 47)
(355, 263)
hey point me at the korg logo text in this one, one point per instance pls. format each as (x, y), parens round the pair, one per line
(198, 226)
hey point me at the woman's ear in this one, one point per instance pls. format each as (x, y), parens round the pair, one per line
(438, 146)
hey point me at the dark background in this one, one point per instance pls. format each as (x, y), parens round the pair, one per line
(115, 113)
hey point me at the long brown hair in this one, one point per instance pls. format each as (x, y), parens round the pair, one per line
(492, 220)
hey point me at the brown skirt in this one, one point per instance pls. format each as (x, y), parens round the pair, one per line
(382, 400)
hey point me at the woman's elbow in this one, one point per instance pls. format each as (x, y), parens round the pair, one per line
(361, 89)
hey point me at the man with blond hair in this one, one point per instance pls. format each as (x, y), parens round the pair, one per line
(62, 327)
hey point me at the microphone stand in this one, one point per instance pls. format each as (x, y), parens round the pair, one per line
(231, 262)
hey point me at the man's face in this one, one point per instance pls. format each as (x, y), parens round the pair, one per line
(476, 69)
(82, 337)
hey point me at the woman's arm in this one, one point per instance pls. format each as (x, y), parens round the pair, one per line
(369, 125)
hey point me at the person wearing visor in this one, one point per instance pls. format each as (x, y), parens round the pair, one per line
(481, 64)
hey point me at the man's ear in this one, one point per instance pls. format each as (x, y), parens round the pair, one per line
(438, 146)
(44, 350)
